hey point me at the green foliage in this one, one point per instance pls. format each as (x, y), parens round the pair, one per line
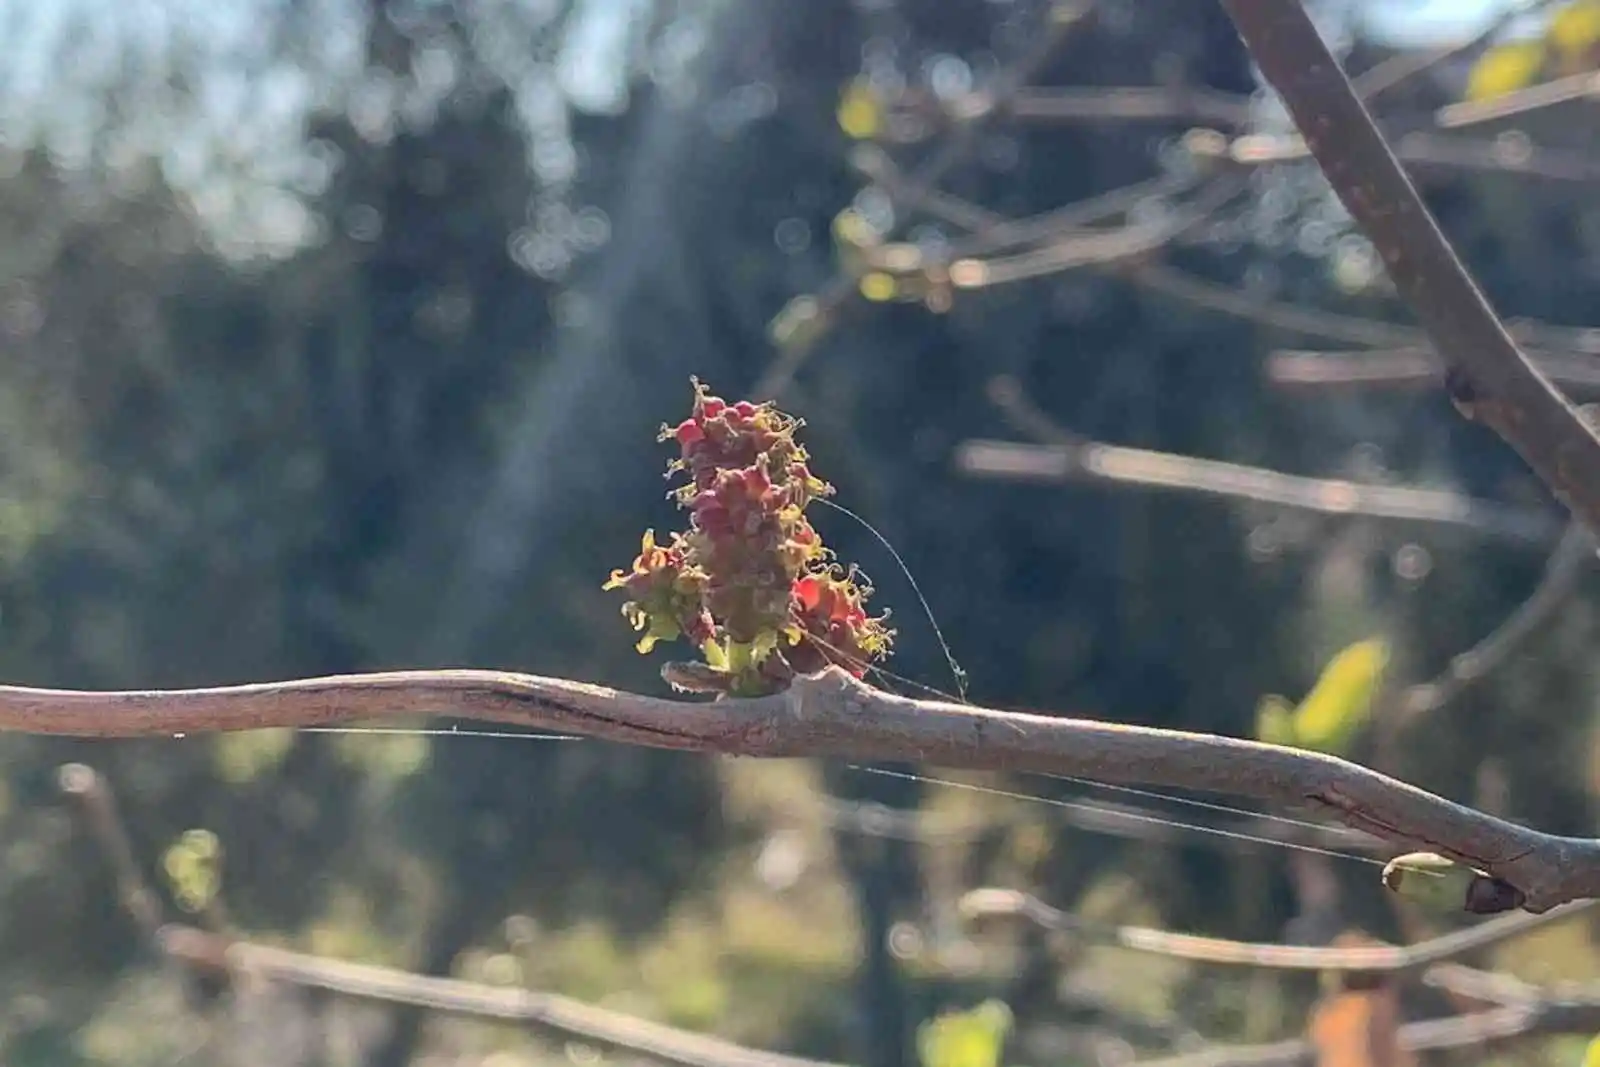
(193, 866)
(1569, 44)
(972, 1038)
(1333, 714)
(245, 755)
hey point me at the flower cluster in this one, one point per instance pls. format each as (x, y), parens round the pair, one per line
(750, 583)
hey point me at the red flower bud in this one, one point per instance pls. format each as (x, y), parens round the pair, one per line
(689, 432)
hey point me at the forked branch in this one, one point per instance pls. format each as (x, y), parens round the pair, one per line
(1487, 376)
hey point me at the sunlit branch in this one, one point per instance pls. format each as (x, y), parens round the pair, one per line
(548, 1012)
(1512, 154)
(1405, 368)
(1571, 558)
(990, 233)
(1489, 379)
(990, 904)
(1422, 149)
(830, 714)
(1382, 77)
(1178, 103)
(1088, 249)
(820, 310)
(1475, 1031)
(1062, 456)
(1584, 86)
(1564, 351)
(1094, 461)
(98, 807)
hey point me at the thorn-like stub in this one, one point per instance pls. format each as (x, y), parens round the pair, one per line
(1463, 394)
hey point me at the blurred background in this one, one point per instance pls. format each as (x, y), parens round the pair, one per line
(335, 336)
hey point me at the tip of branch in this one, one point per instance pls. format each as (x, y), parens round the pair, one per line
(76, 779)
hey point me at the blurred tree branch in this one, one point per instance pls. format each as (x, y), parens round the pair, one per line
(1488, 377)
(989, 904)
(822, 308)
(1402, 368)
(1573, 87)
(1065, 457)
(1566, 565)
(220, 955)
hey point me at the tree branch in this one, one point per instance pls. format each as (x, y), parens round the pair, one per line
(1096, 461)
(217, 954)
(820, 310)
(1567, 563)
(831, 714)
(1460, 1031)
(1584, 86)
(1489, 379)
(570, 1018)
(1372, 959)
(1406, 367)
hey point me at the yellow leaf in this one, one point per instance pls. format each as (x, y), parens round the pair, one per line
(973, 1038)
(1275, 720)
(1340, 704)
(1505, 69)
(860, 115)
(1591, 1055)
(193, 866)
(1573, 32)
(878, 286)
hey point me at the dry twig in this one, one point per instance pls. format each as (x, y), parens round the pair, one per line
(1386, 959)
(1096, 461)
(1566, 564)
(1488, 377)
(216, 954)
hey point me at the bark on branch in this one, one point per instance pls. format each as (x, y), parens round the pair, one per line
(1487, 376)
(831, 714)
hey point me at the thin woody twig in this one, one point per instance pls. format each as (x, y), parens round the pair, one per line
(1422, 149)
(1489, 378)
(821, 309)
(596, 1026)
(1407, 367)
(988, 904)
(1572, 556)
(218, 954)
(1132, 103)
(95, 801)
(993, 233)
(1562, 351)
(832, 714)
(1102, 248)
(1573, 87)
(1096, 461)
(1479, 1030)
(1379, 79)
